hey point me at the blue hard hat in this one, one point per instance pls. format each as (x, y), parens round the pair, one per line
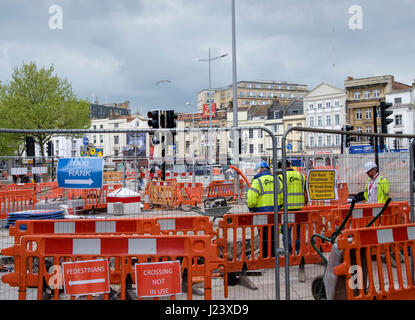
(261, 164)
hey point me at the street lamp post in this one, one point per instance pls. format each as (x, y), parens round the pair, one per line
(210, 107)
(191, 141)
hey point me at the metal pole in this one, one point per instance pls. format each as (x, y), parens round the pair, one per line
(285, 225)
(235, 100)
(411, 196)
(276, 228)
(375, 139)
(210, 123)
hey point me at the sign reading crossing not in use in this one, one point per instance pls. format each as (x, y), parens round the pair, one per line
(321, 185)
(156, 279)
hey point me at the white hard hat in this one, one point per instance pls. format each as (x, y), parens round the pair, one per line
(369, 166)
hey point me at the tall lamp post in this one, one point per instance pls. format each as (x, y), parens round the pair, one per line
(209, 59)
(193, 125)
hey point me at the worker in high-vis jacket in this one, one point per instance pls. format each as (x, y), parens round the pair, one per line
(377, 187)
(260, 198)
(296, 197)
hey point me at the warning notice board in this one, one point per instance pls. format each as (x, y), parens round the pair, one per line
(86, 277)
(321, 185)
(155, 279)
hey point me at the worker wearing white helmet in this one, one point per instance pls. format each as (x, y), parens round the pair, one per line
(377, 187)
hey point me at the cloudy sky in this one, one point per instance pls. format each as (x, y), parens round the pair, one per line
(118, 50)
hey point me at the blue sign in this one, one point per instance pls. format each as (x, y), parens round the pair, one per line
(86, 141)
(366, 148)
(289, 146)
(80, 173)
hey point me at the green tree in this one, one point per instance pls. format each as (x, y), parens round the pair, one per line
(38, 99)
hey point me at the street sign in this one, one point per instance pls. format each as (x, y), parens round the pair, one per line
(86, 141)
(86, 277)
(289, 146)
(155, 279)
(321, 185)
(80, 173)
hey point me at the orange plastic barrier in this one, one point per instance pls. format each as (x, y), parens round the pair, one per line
(173, 194)
(21, 186)
(125, 251)
(223, 188)
(362, 262)
(235, 229)
(13, 201)
(97, 198)
(363, 214)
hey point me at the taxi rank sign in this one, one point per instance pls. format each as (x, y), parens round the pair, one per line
(80, 173)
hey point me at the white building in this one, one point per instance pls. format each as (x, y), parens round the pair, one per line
(324, 108)
(403, 108)
(113, 143)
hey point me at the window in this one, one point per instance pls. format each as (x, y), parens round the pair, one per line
(319, 121)
(260, 133)
(116, 152)
(251, 148)
(311, 121)
(398, 120)
(337, 103)
(336, 119)
(357, 95)
(311, 141)
(358, 114)
(337, 140)
(359, 129)
(328, 120)
(73, 144)
(319, 105)
(242, 94)
(260, 148)
(328, 104)
(101, 126)
(101, 138)
(368, 113)
(94, 126)
(320, 140)
(311, 106)
(115, 125)
(397, 100)
(368, 130)
(328, 140)
(116, 139)
(94, 138)
(366, 94)
(376, 93)
(251, 133)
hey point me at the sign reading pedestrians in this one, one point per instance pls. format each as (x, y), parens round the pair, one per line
(85, 141)
(86, 277)
(80, 173)
(321, 185)
(155, 279)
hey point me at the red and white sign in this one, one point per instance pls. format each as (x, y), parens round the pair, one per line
(157, 279)
(86, 277)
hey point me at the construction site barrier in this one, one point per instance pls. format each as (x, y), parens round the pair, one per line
(367, 262)
(14, 201)
(364, 213)
(97, 198)
(223, 188)
(241, 239)
(52, 250)
(21, 186)
(172, 194)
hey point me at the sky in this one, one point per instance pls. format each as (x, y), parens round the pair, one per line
(115, 51)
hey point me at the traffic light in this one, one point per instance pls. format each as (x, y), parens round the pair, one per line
(384, 114)
(154, 121)
(49, 148)
(372, 142)
(30, 146)
(163, 119)
(171, 117)
(348, 127)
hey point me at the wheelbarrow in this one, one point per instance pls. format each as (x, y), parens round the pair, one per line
(318, 288)
(214, 207)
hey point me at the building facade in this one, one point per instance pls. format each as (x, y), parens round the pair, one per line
(324, 107)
